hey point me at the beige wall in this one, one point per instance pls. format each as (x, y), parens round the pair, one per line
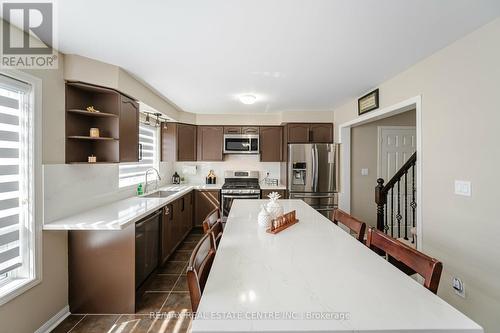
(460, 135)
(27, 312)
(364, 150)
(272, 118)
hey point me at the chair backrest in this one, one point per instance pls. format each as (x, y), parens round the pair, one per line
(198, 268)
(429, 268)
(355, 225)
(210, 220)
(216, 230)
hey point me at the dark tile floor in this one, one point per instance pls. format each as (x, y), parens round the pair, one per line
(166, 293)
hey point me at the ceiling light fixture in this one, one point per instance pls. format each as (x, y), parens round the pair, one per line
(248, 99)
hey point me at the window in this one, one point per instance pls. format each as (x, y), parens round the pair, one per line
(133, 173)
(18, 243)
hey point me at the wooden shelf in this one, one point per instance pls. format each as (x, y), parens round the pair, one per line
(93, 114)
(79, 137)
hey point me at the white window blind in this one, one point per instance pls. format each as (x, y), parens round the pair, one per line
(16, 177)
(133, 173)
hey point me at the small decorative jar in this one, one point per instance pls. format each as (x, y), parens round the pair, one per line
(273, 206)
(264, 217)
(94, 132)
(92, 159)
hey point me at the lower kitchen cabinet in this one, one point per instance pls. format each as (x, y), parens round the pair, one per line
(204, 202)
(265, 193)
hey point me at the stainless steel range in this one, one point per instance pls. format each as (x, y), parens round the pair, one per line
(238, 185)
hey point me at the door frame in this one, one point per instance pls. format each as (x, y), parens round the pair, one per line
(344, 137)
(379, 136)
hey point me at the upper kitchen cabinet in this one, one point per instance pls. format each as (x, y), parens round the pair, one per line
(210, 143)
(271, 144)
(178, 142)
(309, 132)
(241, 130)
(129, 130)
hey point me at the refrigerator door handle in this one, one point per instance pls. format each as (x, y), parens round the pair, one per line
(316, 171)
(313, 160)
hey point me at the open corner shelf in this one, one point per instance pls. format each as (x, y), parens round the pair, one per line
(117, 113)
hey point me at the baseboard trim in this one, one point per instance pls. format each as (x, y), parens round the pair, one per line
(54, 321)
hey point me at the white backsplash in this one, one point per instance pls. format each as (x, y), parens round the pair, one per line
(71, 189)
(231, 162)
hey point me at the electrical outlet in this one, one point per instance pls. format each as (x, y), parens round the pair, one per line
(458, 287)
(463, 187)
(364, 172)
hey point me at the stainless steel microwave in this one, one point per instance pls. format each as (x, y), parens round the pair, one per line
(241, 144)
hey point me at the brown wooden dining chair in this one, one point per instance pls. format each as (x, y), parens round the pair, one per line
(216, 230)
(198, 268)
(429, 268)
(354, 225)
(210, 220)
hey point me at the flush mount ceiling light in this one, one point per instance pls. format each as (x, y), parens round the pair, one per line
(248, 99)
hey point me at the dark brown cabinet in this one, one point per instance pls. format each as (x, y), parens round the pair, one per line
(178, 142)
(309, 133)
(232, 130)
(250, 130)
(210, 143)
(271, 144)
(321, 133)
(204, 202)
(129, 130)
(265, 193)
(167, 233)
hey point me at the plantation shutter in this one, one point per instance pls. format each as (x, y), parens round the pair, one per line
(15, 162)
(134, 173)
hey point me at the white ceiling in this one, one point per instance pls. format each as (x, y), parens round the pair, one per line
(292, 54)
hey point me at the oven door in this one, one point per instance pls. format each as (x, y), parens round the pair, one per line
(227, 201)
(241, 144)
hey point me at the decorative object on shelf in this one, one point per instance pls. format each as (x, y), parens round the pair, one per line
(94, 132)
(264, 218)
(92, 159)
(368, 102)
(282, 222)
(91, 109)
(273, 205)
(176, 179)
(211, 179)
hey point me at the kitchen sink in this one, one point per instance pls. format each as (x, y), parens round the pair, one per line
(160, 194)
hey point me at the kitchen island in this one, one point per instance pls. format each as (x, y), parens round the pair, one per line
(312, 277)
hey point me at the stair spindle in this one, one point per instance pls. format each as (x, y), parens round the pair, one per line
(406, 205)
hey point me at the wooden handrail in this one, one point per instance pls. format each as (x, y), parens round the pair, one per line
(400, 173)
(382, 190)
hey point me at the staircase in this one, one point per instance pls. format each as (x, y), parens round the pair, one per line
(396, 204)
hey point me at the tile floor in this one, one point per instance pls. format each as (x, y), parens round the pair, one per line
(166, 293)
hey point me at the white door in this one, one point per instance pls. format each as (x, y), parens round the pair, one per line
(396, 145)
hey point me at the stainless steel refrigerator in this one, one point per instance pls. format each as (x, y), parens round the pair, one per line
(313, 175)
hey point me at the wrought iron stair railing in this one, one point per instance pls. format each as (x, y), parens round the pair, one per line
(396, 202)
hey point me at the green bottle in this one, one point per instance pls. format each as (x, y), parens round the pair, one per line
(140, 191)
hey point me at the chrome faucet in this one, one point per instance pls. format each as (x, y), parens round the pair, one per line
(157, 179)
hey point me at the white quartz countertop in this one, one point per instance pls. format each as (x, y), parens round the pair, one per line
(312, 277)
(120, 214)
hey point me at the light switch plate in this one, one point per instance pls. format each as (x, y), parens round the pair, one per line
(364, 172)
(463, 187)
